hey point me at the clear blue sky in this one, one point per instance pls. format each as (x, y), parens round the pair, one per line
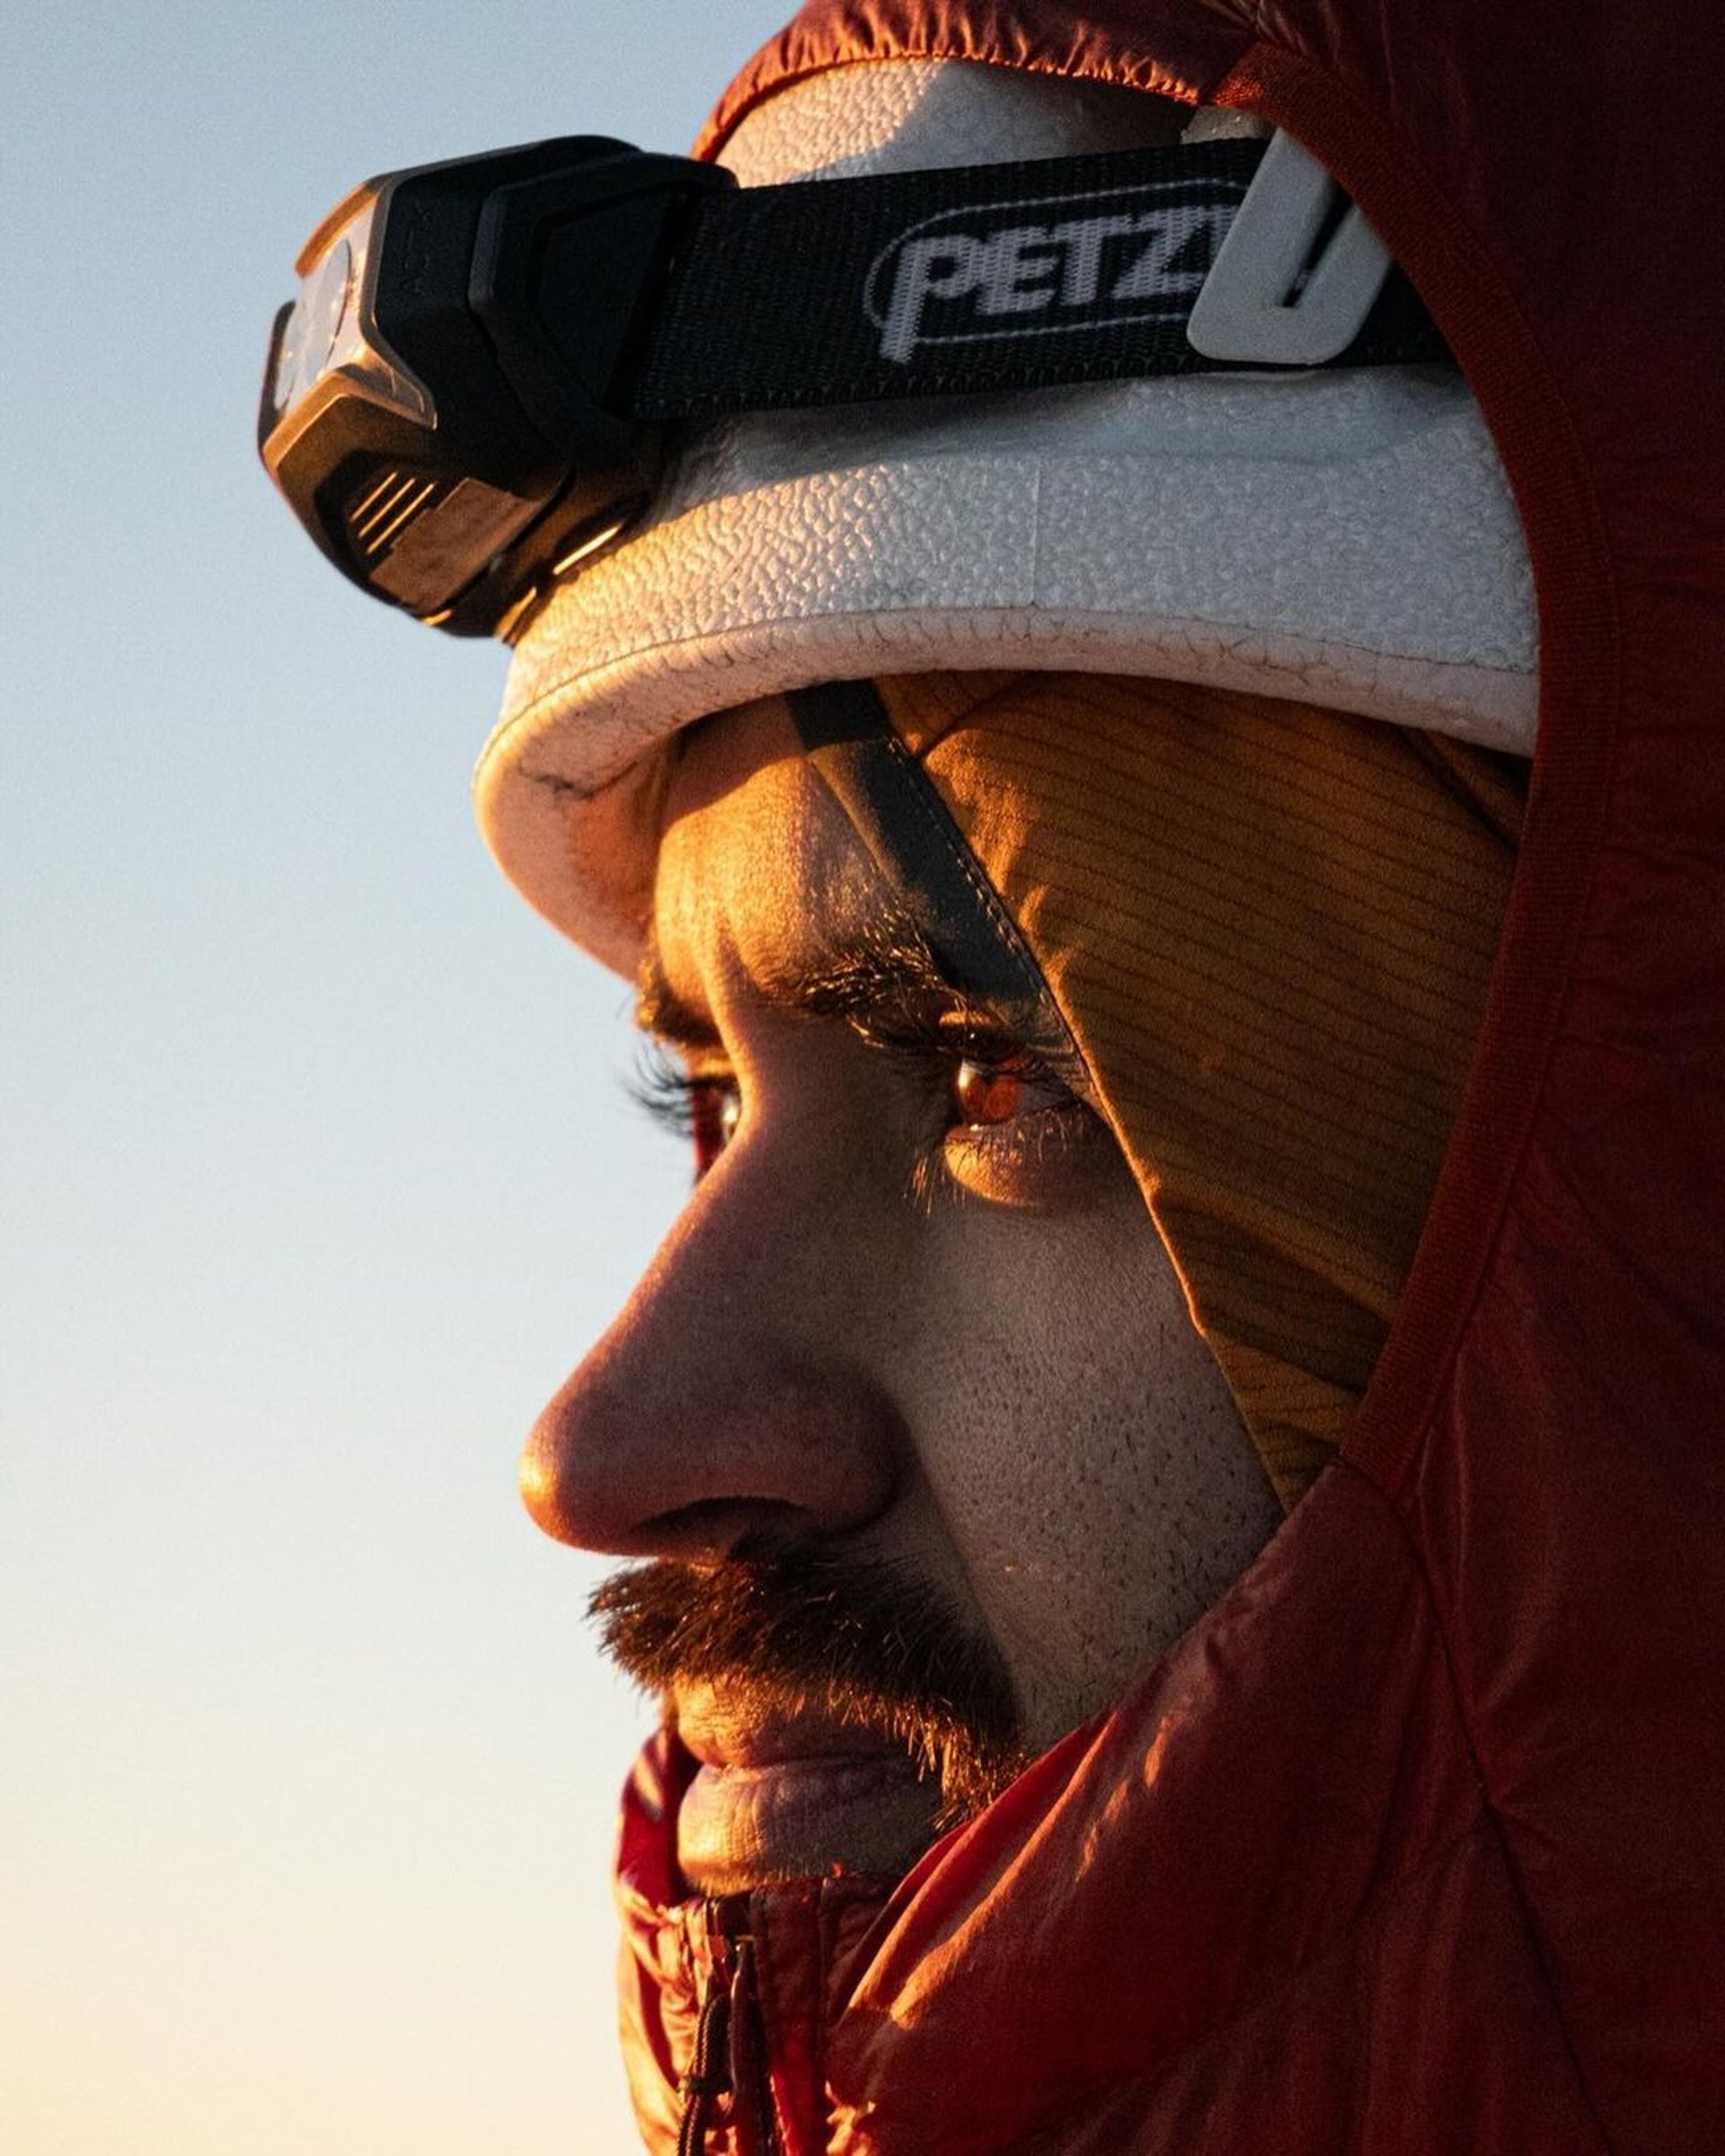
(316, 1172)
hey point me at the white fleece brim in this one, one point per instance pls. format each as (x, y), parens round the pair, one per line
(1344, 538)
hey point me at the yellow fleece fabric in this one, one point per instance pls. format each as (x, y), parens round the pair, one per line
(1269, 928)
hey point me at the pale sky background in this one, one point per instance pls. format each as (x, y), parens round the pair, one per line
(315, 1176)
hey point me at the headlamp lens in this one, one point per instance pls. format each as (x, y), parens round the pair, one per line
(309, 340)
(326, 309)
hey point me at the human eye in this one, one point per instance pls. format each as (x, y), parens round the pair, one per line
(996, 1089)
(1015, 1130)
(703, 1107)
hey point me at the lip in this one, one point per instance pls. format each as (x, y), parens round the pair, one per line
(780, 1797)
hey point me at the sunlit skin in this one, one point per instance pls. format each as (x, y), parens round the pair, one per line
(915, 1307)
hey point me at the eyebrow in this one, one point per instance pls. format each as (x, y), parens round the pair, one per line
(884, 982)
(661, 1012)
(887, 967)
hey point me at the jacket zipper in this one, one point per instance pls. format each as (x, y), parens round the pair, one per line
(727, 2020)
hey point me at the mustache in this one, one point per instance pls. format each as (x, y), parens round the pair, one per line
(857, 1640)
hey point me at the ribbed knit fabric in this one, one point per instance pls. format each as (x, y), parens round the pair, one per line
(1269, 928)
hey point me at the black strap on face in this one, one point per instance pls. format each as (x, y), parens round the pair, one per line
(910, 834)
(1001, 277)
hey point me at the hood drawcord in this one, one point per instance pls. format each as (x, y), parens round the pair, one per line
(721, 2041)
(708, 2074)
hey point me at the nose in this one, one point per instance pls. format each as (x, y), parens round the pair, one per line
(741, 1390)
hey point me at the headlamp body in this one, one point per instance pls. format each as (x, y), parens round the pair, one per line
(515, 283)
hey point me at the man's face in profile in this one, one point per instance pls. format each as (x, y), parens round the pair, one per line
(907, 1416)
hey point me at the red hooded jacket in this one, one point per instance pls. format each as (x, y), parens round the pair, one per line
(1416, 1843)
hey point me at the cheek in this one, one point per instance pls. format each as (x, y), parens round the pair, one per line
(1085, 1456)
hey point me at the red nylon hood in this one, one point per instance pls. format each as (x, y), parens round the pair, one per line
(1417, 1843)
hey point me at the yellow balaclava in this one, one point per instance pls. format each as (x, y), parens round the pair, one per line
(1269, 928)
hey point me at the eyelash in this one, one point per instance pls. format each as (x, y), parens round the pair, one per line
(690, 1105)
(663, 1089)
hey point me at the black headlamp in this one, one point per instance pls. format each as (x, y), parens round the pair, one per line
(472, 393)
(437, 403)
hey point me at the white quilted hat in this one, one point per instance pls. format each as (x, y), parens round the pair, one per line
(1342, 537)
